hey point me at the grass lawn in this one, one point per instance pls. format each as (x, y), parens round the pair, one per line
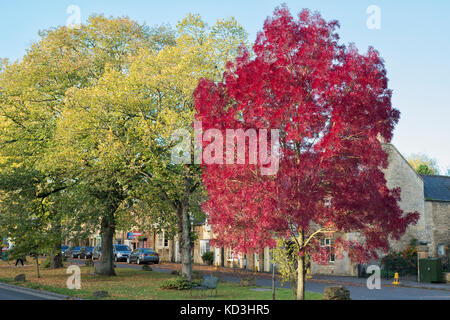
(131, 284)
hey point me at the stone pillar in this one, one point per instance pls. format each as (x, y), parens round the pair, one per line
(422, 251)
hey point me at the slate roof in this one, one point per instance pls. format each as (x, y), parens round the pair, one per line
(436, 187)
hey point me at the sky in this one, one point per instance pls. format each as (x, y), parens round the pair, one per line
(412, 36)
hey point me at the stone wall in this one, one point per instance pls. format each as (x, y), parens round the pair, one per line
(400, 174)
(340, 267)
(203, 233)
(440, 215)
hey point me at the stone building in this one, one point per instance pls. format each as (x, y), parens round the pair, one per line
(428, 195)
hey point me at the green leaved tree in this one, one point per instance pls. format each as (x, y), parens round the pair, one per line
(423, 164)
(121, 131)
(33, 98)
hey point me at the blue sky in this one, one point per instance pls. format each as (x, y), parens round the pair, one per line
(414, 40)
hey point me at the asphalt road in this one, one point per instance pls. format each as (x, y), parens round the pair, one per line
(7, 293)
(356, 292)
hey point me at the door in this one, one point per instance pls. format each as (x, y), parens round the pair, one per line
(257, 262)
(217, 256)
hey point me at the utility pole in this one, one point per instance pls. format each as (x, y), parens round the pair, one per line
(273, 281)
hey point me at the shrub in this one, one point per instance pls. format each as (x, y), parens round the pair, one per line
(336, 293)
(208, 257)
(404, 262)
(387, 274)
(179, 284)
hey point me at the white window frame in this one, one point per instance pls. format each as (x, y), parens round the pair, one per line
(326, 243)
(163, 242)
(205, 246)
(441, 250)
(232, 256)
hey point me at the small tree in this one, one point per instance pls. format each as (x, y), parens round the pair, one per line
(26, 225)
(285, 257)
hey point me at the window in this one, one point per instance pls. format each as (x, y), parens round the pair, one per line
(204, 247)
(163, 242)
(232, 256)
(441, 250)
(120, 247)
(327, 244)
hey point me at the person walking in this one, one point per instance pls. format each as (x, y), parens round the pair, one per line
(17, 261)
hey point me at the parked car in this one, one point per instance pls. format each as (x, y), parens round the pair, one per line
(143, 255)
(63, 250)
(97, 252)
(73, 252)
(121, 252)
(86, 252)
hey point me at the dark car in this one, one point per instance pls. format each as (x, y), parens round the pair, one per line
(86, 252)
(73, 252)
(121, 252)
(64, 249)
(143, 255)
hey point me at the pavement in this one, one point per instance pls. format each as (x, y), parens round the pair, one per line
(408, 290)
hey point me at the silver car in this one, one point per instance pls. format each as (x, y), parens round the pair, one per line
(121, 252)
(97, 253)
(143, 255)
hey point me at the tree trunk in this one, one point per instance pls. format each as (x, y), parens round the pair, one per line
(301, 271)
(106, 265)
(56, 260)
(185, 244)
(184, 228)
(172, 251)
(36, 257)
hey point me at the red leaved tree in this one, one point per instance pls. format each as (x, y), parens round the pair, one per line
(331, 106)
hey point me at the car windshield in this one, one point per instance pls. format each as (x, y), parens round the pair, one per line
(122, 248)
(64, 247)
(76, 248)
(148, 251)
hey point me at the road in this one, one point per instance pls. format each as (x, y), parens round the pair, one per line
(357, 292)
(12, 293)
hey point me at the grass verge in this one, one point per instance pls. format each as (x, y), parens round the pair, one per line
(131, 284)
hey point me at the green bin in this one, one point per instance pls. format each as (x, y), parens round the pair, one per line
(430, 270)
